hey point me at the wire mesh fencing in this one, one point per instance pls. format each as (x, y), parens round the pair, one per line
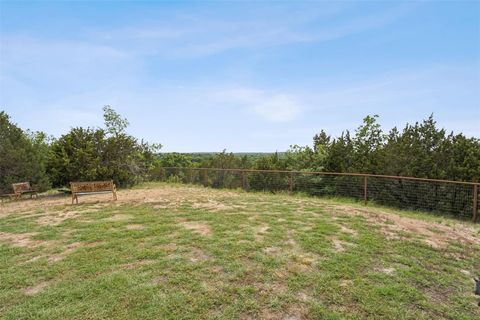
(455, 198)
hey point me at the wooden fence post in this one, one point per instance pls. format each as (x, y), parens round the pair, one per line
(190, 173)
(244, 180)
(475, 202)
(291, 182)
(365, 189)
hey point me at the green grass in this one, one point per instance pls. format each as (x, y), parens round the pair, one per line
(195, 253)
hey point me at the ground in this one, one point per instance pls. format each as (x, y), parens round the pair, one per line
(185, 252)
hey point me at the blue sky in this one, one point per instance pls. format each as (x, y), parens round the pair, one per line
(246, 76)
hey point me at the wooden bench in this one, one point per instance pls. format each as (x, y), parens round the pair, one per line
(92, 187)
(22, 188)
(6, 196)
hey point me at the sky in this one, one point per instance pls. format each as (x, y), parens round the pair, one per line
(246, 76)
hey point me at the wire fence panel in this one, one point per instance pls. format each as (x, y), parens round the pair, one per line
(459, 199)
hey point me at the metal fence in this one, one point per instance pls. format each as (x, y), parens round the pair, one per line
(442, 196)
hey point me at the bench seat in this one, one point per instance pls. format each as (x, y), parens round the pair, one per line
(22, 188)
(92, 187)
(94, 192)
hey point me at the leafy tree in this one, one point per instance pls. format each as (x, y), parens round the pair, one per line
(114, 123)
(340, 154)
(305, 158)
(100, 154)
(321, 141)
(175, 159)
(367, 145)
(23, 156)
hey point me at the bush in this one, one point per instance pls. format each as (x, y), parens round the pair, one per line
(23, 156)
(101, 154)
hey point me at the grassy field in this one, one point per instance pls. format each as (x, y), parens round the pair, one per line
(183, 252)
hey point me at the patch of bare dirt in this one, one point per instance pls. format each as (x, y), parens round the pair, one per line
(168, 248)
(339, 245)
(30, 291)
(435, 234)
(119, 217)
(134, 227)
(197, 255)
(260, 232)
(304, 297)
(159, 280)
(23, 239)
(54, 219)
(345, 229)
(346, 283)
(196, 227)
(294, 312)
(388, 271)
(70, 249)
(214, 205)
(270, 288)
(272, 250)
(298, 260)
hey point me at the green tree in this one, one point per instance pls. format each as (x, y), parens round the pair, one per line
(367, 145)
(305, 158)
(114, 123)
(340, 154)
(22, 156)
(100, 154)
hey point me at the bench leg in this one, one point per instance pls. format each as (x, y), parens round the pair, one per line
(114, 195)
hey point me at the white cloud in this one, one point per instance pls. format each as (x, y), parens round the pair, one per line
(206, 34)
(273, 107)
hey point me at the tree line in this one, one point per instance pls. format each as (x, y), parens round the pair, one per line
(82, 154)
(418, 150)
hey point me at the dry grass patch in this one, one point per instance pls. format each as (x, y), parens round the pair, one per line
(197, 255)
(197, 227)
(134, 227)
(260, 232)
(339, 245)
(388, 271)
(347, 230)
(295, 312)
(136, 264)
(24, 239)
(55, 219)
(119, 217)
(30, 291)
(393, 225)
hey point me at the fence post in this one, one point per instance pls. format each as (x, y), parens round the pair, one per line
(244, 180)
(290, 182)
(475, 202)
(190, 173)
(365, 189)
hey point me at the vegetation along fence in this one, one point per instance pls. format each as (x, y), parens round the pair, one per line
(443, 196)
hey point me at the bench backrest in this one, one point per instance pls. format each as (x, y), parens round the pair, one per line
(91, 186)
(20, 187)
